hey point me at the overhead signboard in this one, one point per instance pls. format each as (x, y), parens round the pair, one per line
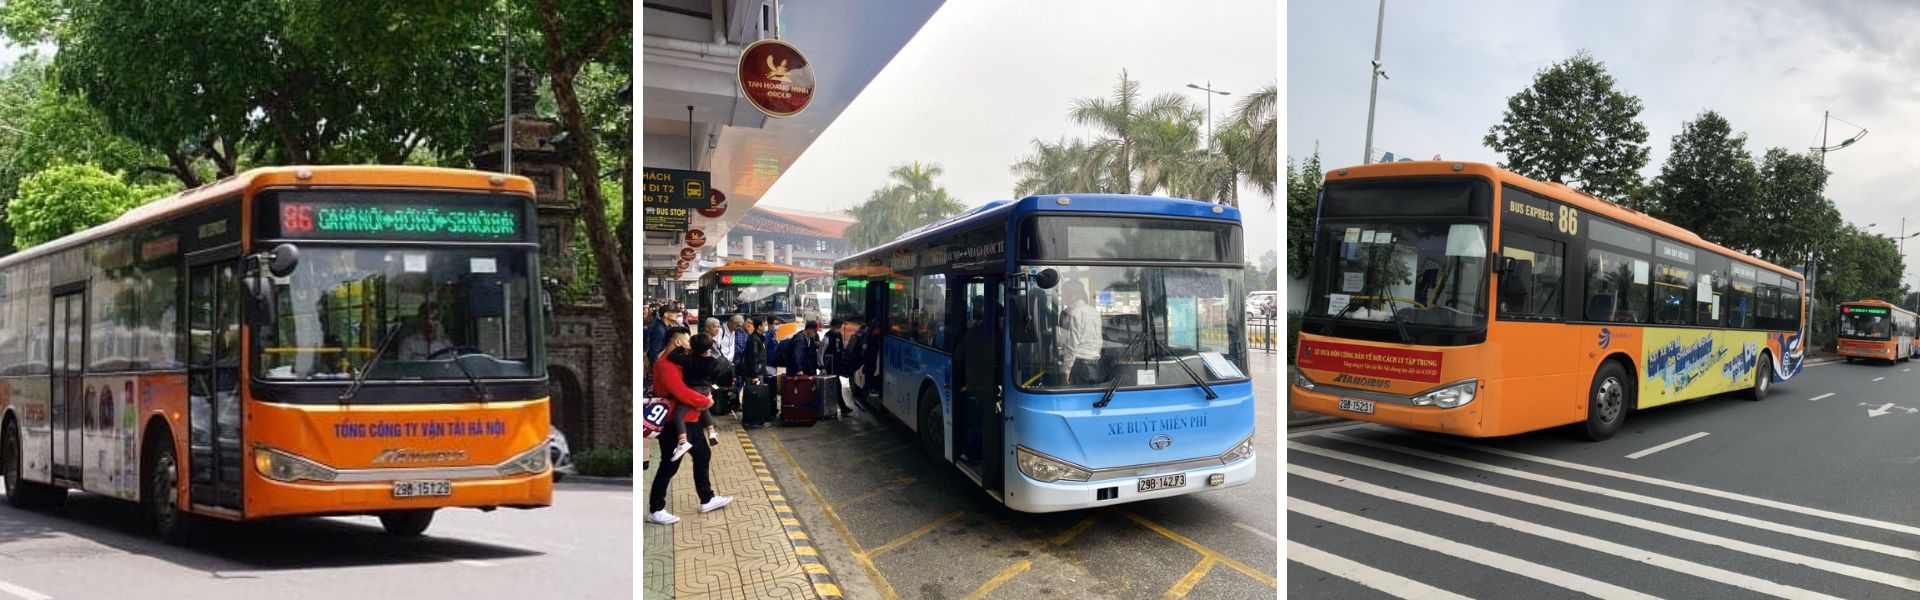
(664, 218)
(676, 188)
(775, 78)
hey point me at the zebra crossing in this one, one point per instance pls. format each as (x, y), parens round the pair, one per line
(1380, 513)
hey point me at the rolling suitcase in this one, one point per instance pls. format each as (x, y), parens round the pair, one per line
(756, 403)
(828, 389)
(799, 400)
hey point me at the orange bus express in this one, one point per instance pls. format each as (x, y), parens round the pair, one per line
(1876, 330)
(287, 341)
(756, 289)
(1465, 299)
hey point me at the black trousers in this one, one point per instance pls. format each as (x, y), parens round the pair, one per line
(1084, 372)
(701, 455)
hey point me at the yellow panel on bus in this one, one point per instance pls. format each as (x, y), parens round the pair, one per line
(1683, 364)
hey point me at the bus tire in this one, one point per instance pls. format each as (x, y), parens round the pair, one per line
(933, 437)
(407, 523)
(160, 492)
(1607, 400)
(1849, 360)
(1762, 379)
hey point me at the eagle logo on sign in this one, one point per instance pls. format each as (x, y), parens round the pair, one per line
(776, 72)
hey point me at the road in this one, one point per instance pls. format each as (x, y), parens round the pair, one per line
(1811, 493)
(581, 547)
(891, 525)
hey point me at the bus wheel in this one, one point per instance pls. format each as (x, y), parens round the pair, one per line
(406, 523)
(1762, 379)
(932, 431)
(162, 497)
(1849, 360)
(1607, 401)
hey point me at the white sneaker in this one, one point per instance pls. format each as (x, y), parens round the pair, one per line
(713, 440)
(716, 503)
(680, 450)
(663, 517)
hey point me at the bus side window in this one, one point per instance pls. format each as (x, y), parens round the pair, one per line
(1538, 265)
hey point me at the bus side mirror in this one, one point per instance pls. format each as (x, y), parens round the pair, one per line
(284, 258)
(1020, 322)
(1046, 279)
(260, 291)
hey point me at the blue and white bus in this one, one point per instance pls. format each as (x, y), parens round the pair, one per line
(1094, 343)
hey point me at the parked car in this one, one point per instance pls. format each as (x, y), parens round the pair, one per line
(559, 454)
(1262, 304)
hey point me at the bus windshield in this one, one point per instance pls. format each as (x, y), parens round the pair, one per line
(1430, 274)
(1091, 328)
(1859, 324)
(754, 293)
(440, 305)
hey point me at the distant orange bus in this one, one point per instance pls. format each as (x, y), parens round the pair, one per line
(756, 289)
(287, 341)
(1465, 299)
(1876, 330)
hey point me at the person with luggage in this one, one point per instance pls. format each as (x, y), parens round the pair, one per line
(806, 350)
(670, 383)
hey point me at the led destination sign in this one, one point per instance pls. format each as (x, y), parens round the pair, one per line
(395, 216)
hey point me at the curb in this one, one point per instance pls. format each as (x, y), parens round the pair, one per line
(824, 585)
(595, 480)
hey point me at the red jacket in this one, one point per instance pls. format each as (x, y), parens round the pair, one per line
(668, 383)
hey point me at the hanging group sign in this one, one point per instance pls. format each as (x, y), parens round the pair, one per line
(775, 78)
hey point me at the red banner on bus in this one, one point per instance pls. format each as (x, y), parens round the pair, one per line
(1393, 363)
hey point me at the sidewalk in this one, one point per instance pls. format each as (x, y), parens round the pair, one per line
(752, 549)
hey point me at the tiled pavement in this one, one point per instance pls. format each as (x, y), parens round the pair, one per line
(752, 549)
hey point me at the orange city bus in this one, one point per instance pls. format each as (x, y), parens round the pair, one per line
(287, 341)
(1876, 330)
(1465, 299)
(756, 289)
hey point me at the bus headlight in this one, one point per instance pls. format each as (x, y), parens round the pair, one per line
(1046, 469)
(1243, 450)
(1300, 379)
(281, 466)
(1455, 395)
(531, 461)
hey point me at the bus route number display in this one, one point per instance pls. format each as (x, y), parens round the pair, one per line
(339, 220)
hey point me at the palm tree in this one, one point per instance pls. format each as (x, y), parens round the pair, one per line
(1259, 158)
(1066, 167)
(910, 200)
(1125, 119)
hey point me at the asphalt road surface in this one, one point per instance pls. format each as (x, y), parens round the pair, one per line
(94, 547)
(1812, 493)
(891, 525)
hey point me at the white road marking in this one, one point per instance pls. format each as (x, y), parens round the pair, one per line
(1630, 553)
(1906, 369)
(1875, 412)
(1878, 378)
(465, 561)
(21, 592)
(1822, 396)
(1391, 584)
(1685, 487)
(1829, 566)
(1667, 445)
(1648, 500)
(1256, 531)
(1446, 547)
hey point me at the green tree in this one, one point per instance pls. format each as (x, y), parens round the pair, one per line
(1303, 198)
(43, 127)
(1571, 126)
(911, 200)
(1789, 217)
(1063, 167)
(1137, 134)
(68, 198)
(1259, 158)
(1708, 183)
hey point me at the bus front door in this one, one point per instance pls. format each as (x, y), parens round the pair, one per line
(213, 377)
(980, 366)
(69, 411)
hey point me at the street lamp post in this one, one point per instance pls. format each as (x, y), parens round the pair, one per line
(1210, 92)
(1826, 118)
(1379, 25)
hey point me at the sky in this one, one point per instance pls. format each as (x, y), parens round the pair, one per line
(1771, 68)
(983, 79)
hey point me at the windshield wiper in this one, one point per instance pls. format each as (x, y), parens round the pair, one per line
(471, 380)
(1113, 383)
(361, 377)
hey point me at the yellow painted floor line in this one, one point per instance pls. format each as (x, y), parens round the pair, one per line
(1016, 568)
(1203, 550)
(915, 534)
(1181, 588)
(896, 484)
(879, 581)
